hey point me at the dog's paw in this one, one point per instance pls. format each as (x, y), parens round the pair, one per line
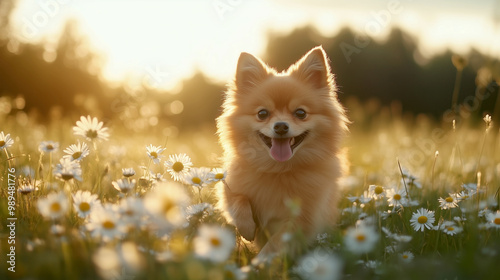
(246, 228)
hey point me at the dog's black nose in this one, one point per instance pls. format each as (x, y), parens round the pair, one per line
(281, 128)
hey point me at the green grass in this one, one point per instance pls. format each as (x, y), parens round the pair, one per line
(377, 147)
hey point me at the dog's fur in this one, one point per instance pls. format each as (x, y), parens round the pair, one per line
(262, 180)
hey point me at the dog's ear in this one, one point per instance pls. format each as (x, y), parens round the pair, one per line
(249, 72)
(313, 68)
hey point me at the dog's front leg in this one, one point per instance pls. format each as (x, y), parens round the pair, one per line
(241, 212)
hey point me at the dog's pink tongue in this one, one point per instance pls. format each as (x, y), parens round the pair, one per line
(280, 149)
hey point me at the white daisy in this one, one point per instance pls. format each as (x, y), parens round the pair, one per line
(128, 172)
(361, 239)
(5, 141)
(27, 188)
(217, 174)
(470, 187)
(154, 153)
(451, 229)
(105, 222)
(214, 243)
(54, 206)
(91, 129)
(493, 219)
(232, 272)
(422, 219)
(168, 202)
(406, 256)
(178, 166)
(377, 192)
(57, 230)
(319, 265)
(48, 147)
(396, 197)
(198, 177)
(84, 203)
(67, 169)
(199, 209)
(449, 202)
(77, 151)
(132, 211)
(123, 185)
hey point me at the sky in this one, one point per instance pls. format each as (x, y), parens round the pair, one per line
(163, 42)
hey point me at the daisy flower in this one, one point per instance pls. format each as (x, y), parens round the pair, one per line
(48, 147)
(217, 174)
(5, 141)
(154, 153)
(493, 219)
(319, 265)
(377, 192)
(54, 206)
(361, 239)
(57, 230)
(84, 203)
(396, 197)
(77, 151)
(27, 188)
(178, 166)
(406, 256)
(132, 211)
(214, 243)
(128, 172)
(470, 187)
(231, 271)
(422, 219)
(91, 128)
(105, 222)
(67, 169)
(123, 185)
(199, 209)
(449, 202)
(465, 194)
(362, 199)
(167, 202)
(451, 229)
(198, 177)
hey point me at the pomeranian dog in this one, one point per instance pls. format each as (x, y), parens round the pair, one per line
(281, 135)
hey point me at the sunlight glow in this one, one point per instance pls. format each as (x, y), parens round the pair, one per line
(159, 43)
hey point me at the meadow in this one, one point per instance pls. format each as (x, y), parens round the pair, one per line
(84, 199)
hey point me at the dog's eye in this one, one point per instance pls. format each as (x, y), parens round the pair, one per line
(263, 114)
(300, 113)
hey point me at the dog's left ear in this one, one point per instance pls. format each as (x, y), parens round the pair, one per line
(313, 68)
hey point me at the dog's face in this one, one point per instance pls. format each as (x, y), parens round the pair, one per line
(292, 117)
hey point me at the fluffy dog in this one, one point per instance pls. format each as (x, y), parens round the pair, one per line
(281, 135)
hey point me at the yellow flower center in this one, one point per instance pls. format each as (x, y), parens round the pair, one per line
(178, 166)
(55, 207)
(154, 154)
(91, 133)
(108, 224)
(76, 155)
(422, 219)
(196, 180)
(84, 207)
(450, 229)
(167, 206)
(496, 221)
(449, 199)
(405, 256)
(397, 197)
(2, 143)
(360, 237)
(379, 190)
(215, 242)
(219, 176)
(50, 147)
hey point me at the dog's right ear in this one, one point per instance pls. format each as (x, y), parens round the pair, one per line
(249, 72)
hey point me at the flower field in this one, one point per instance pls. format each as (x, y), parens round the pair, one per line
(81, 199)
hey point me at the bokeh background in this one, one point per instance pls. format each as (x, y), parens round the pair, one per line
(161, 66)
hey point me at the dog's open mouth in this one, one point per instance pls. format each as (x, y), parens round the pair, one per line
(282, 148)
